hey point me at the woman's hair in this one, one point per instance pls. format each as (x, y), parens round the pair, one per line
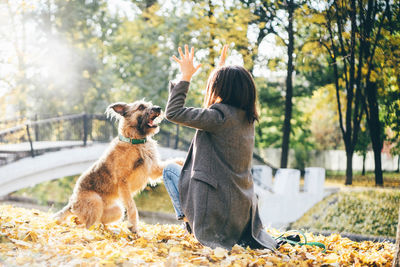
(232, 85)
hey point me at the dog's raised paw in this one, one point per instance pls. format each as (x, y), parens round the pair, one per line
(179, 161)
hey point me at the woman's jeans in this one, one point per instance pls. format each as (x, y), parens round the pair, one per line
(171, 174)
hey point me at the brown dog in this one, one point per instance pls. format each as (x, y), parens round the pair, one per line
(124, 169)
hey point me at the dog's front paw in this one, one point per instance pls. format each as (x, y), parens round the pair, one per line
(179, 161)
(132, 228)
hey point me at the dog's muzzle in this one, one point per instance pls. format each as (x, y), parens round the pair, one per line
(154, 118)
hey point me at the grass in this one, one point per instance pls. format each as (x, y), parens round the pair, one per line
(364, 211)
(58, 191)
(390, 179)
(361, 208)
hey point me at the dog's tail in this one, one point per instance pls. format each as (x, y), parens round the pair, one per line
(61, 215)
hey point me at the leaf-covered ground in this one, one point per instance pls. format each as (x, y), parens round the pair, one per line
(359, 211)
(32, 238)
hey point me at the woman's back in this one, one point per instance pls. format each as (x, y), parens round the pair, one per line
(216, 193)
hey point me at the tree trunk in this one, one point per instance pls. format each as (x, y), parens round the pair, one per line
(374, 126)
(378, 166)
(363, 167)
(289, 89)
(396, 259)
(349, 167)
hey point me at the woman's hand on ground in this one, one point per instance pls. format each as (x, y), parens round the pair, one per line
(186, 63)
(222, 58)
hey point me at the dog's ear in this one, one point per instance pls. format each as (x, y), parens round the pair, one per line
(119, 108)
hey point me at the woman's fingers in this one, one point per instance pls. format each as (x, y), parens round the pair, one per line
(192, 53)
(197, 67)
(187, 54)
(186, 62)
(186, 50)
(176, 59)
(225, 50)
(222, 58)
(180, 52)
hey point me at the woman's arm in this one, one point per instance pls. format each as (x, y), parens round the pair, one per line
(208, 119)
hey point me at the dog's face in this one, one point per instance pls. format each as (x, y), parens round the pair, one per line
(136, 120)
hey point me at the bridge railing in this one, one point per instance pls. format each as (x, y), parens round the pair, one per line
(36, 137)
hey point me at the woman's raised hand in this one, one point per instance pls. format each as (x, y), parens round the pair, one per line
(222, 58)
(186, 63)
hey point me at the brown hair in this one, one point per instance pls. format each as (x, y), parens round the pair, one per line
(232, 85)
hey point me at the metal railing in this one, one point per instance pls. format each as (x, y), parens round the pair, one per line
(84, 129)
(81, 128)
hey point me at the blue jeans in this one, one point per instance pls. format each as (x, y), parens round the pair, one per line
(171, 174)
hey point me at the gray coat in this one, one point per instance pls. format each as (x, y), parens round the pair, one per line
(216, 186)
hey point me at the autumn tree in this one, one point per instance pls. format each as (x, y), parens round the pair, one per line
(353, 62)
(18, 62)
(362, 146)
(396, 259)
(388, 52)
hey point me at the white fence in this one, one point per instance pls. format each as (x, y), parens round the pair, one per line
(280, 200)
(334, 160)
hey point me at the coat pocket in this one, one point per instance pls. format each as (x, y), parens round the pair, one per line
(203, 177)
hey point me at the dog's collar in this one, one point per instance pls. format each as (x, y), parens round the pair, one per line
(131, 140)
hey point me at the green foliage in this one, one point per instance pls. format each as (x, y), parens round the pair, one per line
(365, 212)
(363, 142)
(57, 191)
(269, 128)
(154, 199)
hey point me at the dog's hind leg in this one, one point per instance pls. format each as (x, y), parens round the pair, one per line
(111, 214)
(88, 207)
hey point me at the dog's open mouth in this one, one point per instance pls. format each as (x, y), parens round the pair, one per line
(154, 120)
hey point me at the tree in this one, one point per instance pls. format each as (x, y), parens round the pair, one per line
(271, 21)
(372, 22)
(267, 12)
(61, 59)
(17, 82)
(362, 146)
(353, 62)
(322, 113)
(396, 259)
(80, 75)
(389, 54)
(289, 85)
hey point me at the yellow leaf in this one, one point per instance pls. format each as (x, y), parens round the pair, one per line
(331, 258)
(220, 253)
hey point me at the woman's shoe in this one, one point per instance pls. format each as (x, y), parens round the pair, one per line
(186, 226)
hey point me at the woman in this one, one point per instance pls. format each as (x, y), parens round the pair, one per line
(213, 191)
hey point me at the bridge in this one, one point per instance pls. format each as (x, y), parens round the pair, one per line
(36, 151)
